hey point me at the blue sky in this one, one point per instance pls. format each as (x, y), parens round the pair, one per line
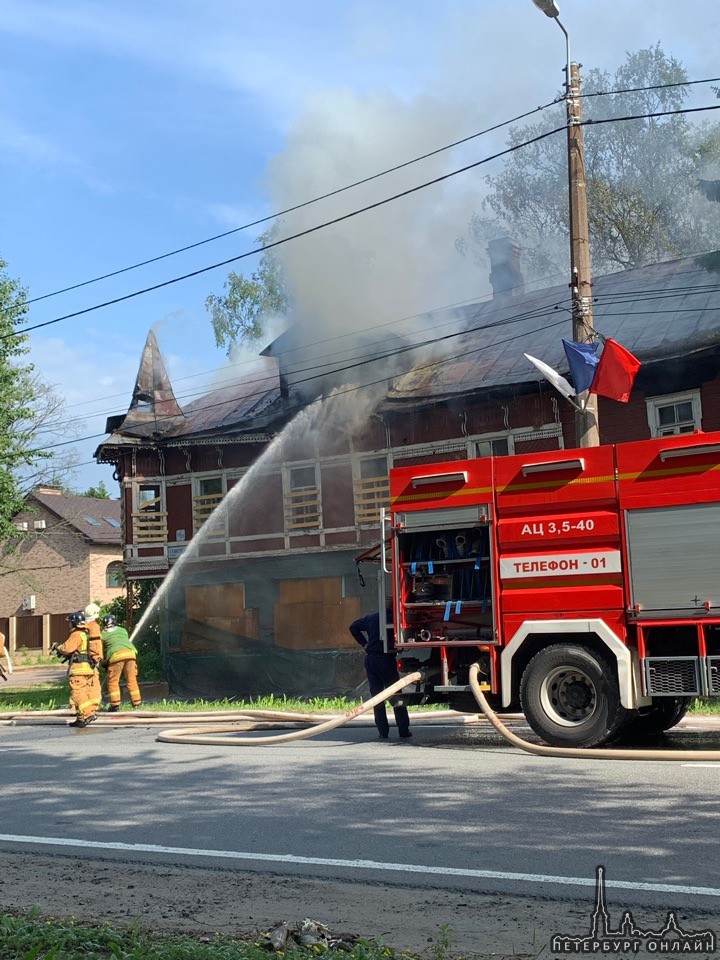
(127, 129)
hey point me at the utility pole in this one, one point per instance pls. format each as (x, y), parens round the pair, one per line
(587, 432)
(583, 324)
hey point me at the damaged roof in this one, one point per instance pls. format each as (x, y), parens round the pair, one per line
(657, 312)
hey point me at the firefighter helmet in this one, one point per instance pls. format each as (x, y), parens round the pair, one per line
(109, 621)
(77, 619)
(91, 611)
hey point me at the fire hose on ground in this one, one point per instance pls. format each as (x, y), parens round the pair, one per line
(213, 735)
(205, 732)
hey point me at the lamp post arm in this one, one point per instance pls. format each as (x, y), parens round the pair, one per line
(567, 56)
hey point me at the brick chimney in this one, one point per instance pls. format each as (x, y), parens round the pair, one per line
(505, 275)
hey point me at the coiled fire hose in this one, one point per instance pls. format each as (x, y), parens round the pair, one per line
(579, 753)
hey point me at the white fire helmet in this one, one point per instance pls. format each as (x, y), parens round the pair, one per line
(92, 611)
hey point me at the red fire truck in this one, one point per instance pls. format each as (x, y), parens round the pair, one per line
(586, 582)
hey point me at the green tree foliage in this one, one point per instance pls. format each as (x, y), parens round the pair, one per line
(642, 176)
(100, 492)
(148, 643)
(17, 397)
(238, 315)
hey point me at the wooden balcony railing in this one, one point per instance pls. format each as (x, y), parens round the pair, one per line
(302, 509)
(371, 494)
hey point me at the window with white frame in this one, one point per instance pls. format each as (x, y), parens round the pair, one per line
(372, 489)
(302, 498)
(492, 447)
(670, 415)
(209, 492)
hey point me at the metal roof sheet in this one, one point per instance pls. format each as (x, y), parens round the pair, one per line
(658, 311)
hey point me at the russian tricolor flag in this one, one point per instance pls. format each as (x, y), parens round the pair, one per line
(612, 374)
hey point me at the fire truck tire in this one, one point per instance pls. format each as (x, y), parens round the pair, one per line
(570, 696)
(664, 714)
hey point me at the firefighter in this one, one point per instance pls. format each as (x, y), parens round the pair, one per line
(82, 671)
(381, 671)
(95, 647)
(121, 661)
(5, 664)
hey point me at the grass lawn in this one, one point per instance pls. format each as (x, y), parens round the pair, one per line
(33, 938)
(52, 696)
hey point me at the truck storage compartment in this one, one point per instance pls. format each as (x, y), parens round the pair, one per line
(674, 557)
(443, 577)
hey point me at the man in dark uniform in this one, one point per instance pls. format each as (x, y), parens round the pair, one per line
(381, 671)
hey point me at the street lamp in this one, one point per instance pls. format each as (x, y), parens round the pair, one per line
(583, 324)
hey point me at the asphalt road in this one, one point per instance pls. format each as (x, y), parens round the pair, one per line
(448, 801)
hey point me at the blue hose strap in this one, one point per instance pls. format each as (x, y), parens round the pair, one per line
(448, 608)
(413, 568)
(458, 607)
(431, 569)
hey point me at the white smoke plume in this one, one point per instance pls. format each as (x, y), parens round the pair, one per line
(386, 264)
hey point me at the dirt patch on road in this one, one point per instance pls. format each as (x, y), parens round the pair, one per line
(195, 900)
(201, 901)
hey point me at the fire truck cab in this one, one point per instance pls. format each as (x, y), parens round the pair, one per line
(585, 582)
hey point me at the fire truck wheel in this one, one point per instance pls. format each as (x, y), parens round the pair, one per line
(664, 714)
(570, 697)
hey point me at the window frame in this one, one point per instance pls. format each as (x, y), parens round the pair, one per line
(196, 491)
(119, 568)
(507, 436)
(288, 489)
(159, 535)
(655, 403)
(358, 461)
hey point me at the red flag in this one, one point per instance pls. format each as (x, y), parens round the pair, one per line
(615, 373)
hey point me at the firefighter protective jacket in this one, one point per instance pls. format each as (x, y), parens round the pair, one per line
(83, 653)
(117, 645)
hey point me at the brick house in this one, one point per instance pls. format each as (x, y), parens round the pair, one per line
(267, 596)
(70, 553)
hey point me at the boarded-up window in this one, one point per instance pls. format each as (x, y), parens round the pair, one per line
(216, 618)
(314, 615)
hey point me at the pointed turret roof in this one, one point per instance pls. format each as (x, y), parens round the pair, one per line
(153, 408)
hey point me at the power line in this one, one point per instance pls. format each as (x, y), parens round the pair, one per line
(655, 86)
(528, 315)
(326, 368)
(628, 295)
(477, 300)
(643, 292)
(354, 213)
(547, 311)
(295, 236)
(350, 186)
(297, 206)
